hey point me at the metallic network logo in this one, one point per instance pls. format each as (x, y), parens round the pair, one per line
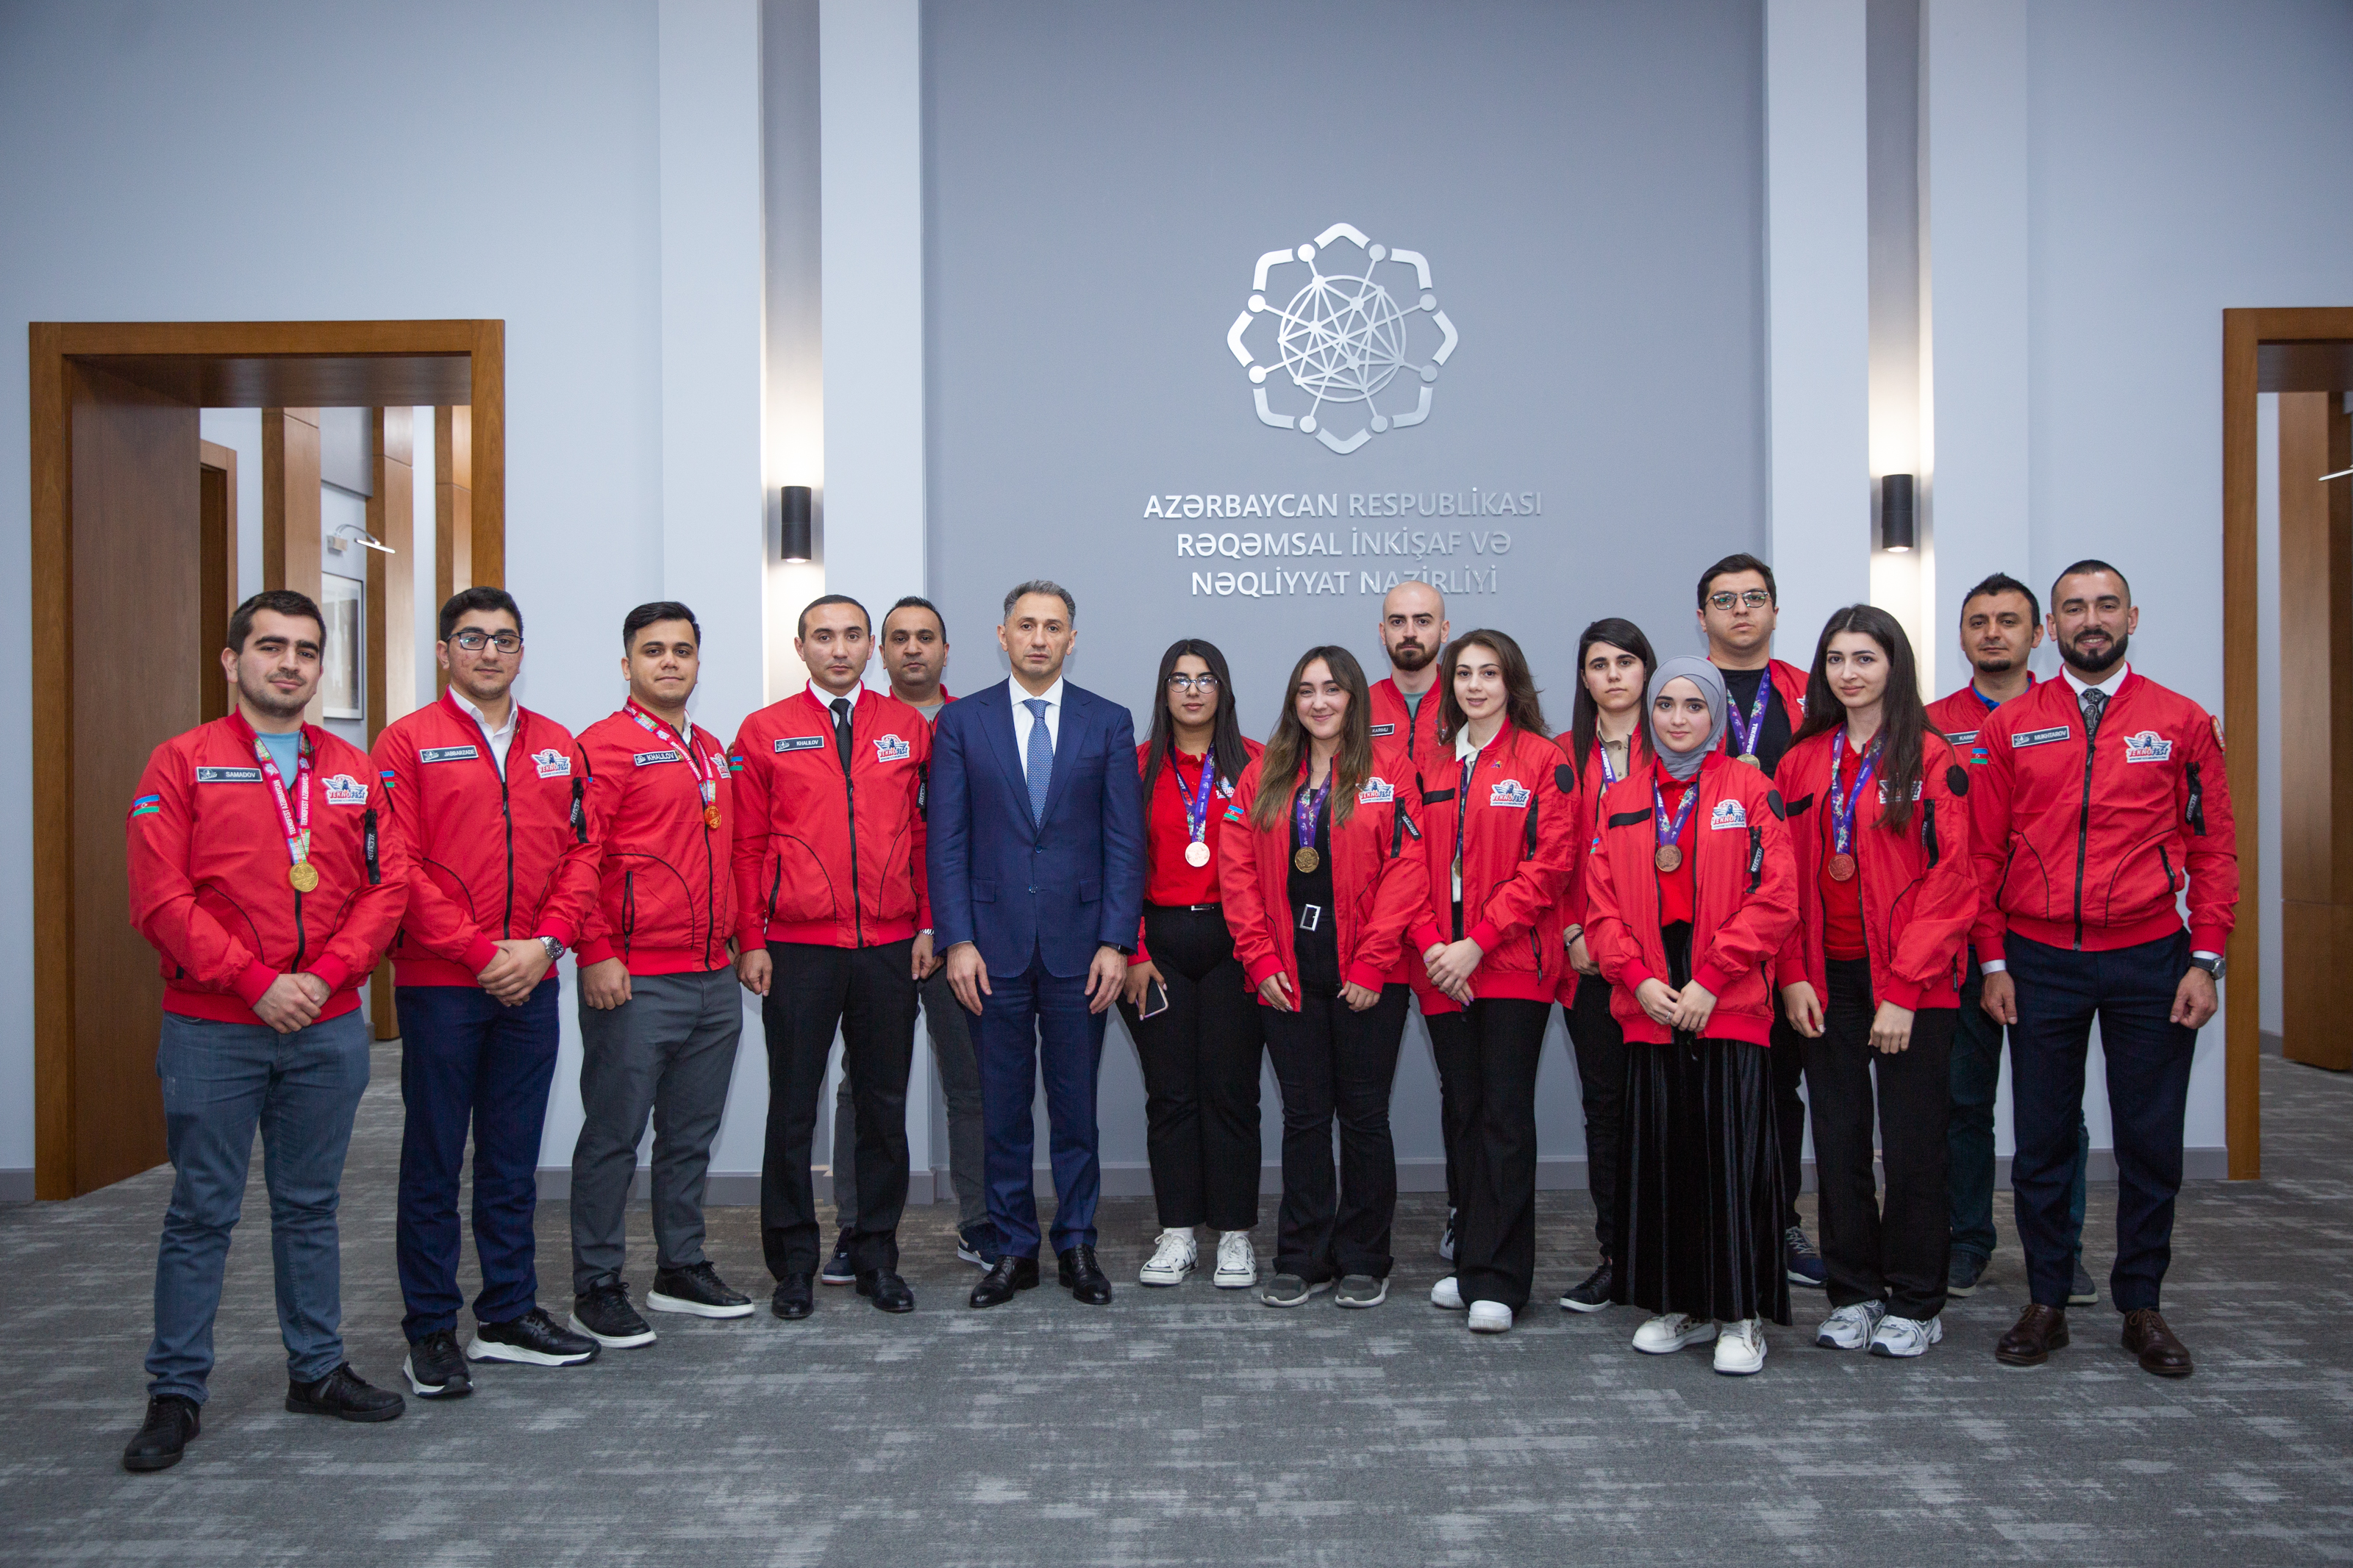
(1342, 338)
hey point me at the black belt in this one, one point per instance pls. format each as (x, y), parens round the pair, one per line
(1189, 908)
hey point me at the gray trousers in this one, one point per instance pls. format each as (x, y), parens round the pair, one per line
(667, 1051)
(948, 1025)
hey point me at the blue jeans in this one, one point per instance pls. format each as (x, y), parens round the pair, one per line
(220, 1082)
(1030, 1023)
(468, 1060)
(1968, 1137)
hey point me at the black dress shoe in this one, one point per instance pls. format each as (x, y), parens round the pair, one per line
(794, 1298)
(1083, 1277)
(170, 1426)
(2159, 1348)
(342, 1394)
(886, 1290)
(1004, 1276)
(2040, 1330)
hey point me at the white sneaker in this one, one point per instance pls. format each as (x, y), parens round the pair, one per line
(1904, 1337)
(1740, 1348)
(1490, 1317)
(1446, 1296)
(1173, 1258)
(1849, 1328)
(1237, 1263)
(1671, 1332)
(1446, 1240)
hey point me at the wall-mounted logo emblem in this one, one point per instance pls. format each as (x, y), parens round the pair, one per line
(1339, 343)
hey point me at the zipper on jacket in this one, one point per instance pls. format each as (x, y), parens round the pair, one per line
(302, 937)
(506, 811)
(2083, 834)
(629, 910)
(849, 804)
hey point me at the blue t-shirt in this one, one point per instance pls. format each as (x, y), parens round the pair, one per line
(285, 750)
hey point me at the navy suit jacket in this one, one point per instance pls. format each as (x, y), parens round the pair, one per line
(1058, 889)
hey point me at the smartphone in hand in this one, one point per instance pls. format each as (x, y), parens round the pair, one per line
(1156, 1000)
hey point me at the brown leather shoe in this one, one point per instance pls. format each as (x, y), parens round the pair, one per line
(2147, 1337)
(2039, 1331)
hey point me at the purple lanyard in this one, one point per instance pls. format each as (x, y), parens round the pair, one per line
(1747, 737)
(1303, 813)
(1671, 831)
(1842, 801)
(1196, 812)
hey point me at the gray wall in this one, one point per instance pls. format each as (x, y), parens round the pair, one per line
(1585, 182)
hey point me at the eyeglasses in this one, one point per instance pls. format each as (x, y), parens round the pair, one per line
(473, 641)
(1203, 683)
(1754, 598)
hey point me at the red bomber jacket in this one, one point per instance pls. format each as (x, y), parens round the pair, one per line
(829, 851)
(1918, 886)
(1745, 899)
(208, 864)
(1415, 733)
(1514, 810)
(2090, 850)
(1377, 881)
(1591, 782)
(495, 856)
(666, 887)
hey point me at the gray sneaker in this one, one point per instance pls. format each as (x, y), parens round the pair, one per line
(1360, 1290)
(2082, 1293)
(1291, 1291)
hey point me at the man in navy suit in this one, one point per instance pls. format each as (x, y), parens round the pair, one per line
(1037, 881)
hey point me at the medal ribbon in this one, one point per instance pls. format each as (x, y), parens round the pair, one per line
(1745, 737)
(705, 769)
(1303, 813)
(1842, 801)
(293, 820)
(1196, 811)
(1601, 749)
(1672, 831)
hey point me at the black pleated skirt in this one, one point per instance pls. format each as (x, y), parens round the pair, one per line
(1699, 1188)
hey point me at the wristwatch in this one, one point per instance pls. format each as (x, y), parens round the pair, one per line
(555, 948)
(2213, 963)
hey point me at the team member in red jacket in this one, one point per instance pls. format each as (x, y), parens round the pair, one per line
(1604, 743)
(1186, 1005)
(268, 870)
(1879, 819)
(2101, 793)
(1320, 879)
(1739, 608)
(659, 1011)
(834, 932)
(1690, 890)
(1499, 837)
(504, 879)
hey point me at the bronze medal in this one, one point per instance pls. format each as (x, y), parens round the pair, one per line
(1197, 853)
(1668, 858)
(711, 816)
(305, 875)
(1305, 857)
(1842, 868)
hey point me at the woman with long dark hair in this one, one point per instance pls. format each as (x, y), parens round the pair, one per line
(1604, 743)
(1870, 974)
(1196, 1032)
(1497, 844)
(1320, 879)
(1691, 894)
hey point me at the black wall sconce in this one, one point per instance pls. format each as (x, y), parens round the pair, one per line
(797, 544)
(1897, 531)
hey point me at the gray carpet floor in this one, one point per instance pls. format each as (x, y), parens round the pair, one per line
(1192, 1425)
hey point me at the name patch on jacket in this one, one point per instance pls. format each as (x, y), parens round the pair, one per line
(1384, 729)
(1377, 791)
(1511, 793)
(800, 742)
(2148, 746)
(1883, 791)
(1729, 814)
(1960, 737)
(2025, 738)
(645, 758)
(552, 763)
(345, 789)
(448, 754)
(891, 749)
(229, 776)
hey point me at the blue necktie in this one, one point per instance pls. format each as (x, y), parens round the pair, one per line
(1041, 761)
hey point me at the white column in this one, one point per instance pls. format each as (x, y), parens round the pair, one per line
(1818, 239)
(1974, 304)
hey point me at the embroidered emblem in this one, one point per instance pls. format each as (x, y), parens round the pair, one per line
(891, 749)
(1511, 793)
(1377, 791)
(147, 806)
(1234, 813)
(552, 763)
(345, 789)
(2148, 746)
(1729, 814)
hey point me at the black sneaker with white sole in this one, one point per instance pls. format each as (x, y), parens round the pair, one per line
(838, 1269)
(1591, 1293)
(697, 1291)
(976, 1243)
(535, 1339)
(604, 1315)
(1446, 1241)
(435, 1368)
(2082, 1291)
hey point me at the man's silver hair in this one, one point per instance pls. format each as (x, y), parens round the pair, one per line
(1042, 586)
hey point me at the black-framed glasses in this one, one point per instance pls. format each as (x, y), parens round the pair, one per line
(473, 641)
(1753, 598)
(1205, 683)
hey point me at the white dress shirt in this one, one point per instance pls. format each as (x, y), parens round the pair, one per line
(1023, 719)
(2106, 688)
(499, 738)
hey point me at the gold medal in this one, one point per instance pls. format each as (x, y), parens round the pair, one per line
(1753, 760)
(1668, 858)
(1842, 868)
(1197, 853)
(1305, 857)
(305, 875)
(711, 816)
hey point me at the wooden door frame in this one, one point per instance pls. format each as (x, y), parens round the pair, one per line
(204, 365)
(2245, 334)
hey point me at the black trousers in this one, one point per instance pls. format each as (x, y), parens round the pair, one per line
(1335, 1064)
(1599, 1045)
(1450, 1053)
(1897, 1251)
(1786, 1063)
(1200, 1061)
(1495, 1235)
(868, 994)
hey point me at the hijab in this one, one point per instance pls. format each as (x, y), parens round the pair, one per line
(1684, 765)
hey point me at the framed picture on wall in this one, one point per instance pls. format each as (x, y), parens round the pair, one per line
(344, 600)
